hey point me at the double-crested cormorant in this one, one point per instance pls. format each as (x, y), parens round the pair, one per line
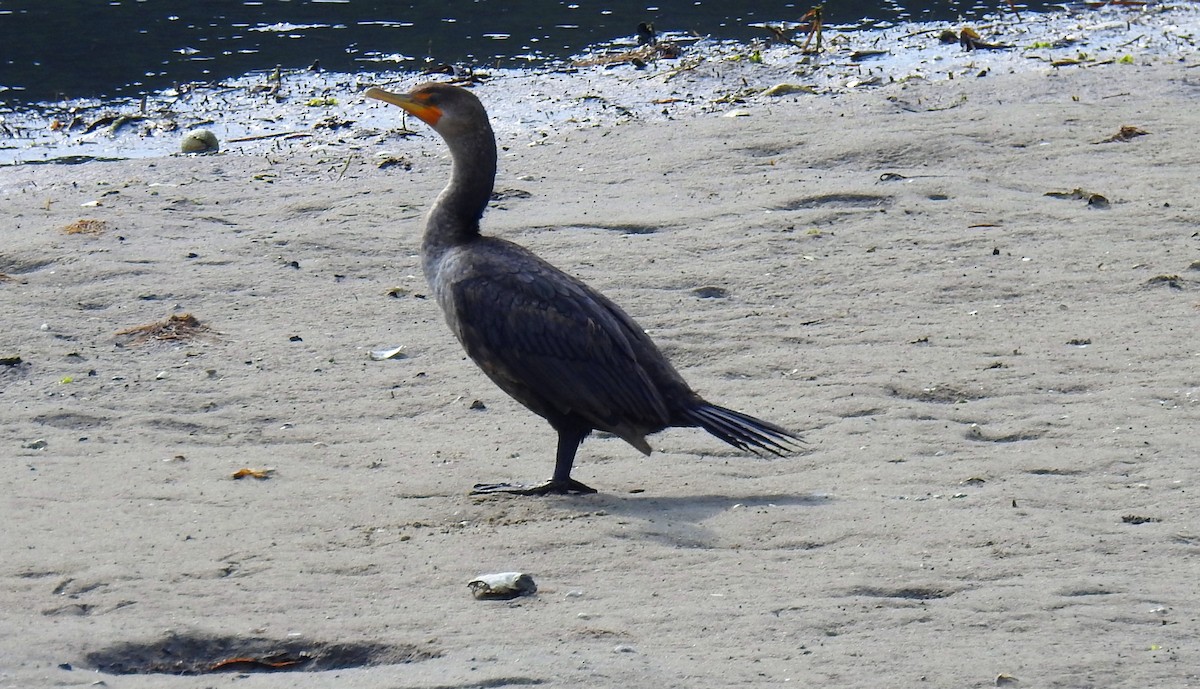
(554, 344)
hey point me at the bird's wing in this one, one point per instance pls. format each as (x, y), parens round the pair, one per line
(540, 333)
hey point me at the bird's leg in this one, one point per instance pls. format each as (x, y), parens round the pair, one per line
(560, 483)
(568, 444)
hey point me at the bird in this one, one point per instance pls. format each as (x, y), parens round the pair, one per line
(559, 347)
(646, 35)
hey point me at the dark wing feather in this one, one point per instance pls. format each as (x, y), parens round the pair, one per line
(556, 346)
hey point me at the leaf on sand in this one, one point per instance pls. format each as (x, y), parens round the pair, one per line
(260, 474)
(1126, 133)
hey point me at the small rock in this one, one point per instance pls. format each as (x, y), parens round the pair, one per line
(624, 648)
(199, 141)
(710, 292)
(785, 89)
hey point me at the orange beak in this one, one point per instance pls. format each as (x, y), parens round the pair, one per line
(429, 114)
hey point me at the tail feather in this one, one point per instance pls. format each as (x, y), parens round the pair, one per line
(743, 431)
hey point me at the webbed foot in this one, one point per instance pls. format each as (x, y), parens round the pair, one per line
(551, 487)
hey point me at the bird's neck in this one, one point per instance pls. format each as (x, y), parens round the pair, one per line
(454, 217)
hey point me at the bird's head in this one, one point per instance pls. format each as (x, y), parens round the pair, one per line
(448, 109)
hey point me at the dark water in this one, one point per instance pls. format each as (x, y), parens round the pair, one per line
(59, 49)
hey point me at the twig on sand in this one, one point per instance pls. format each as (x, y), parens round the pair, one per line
(260, 137)
(672, 73)
(345, 167)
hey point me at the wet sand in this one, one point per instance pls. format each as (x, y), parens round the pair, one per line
(998, 389)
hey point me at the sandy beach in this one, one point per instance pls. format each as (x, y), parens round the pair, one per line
(981, 315)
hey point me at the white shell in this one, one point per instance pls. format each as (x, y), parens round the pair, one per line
(502, 586)
(382, 354)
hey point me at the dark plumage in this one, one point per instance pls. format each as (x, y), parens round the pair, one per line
(554, 344)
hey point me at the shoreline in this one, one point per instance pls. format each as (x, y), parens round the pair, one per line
(254, 115)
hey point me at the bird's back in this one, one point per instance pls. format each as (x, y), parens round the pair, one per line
(556, 345)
